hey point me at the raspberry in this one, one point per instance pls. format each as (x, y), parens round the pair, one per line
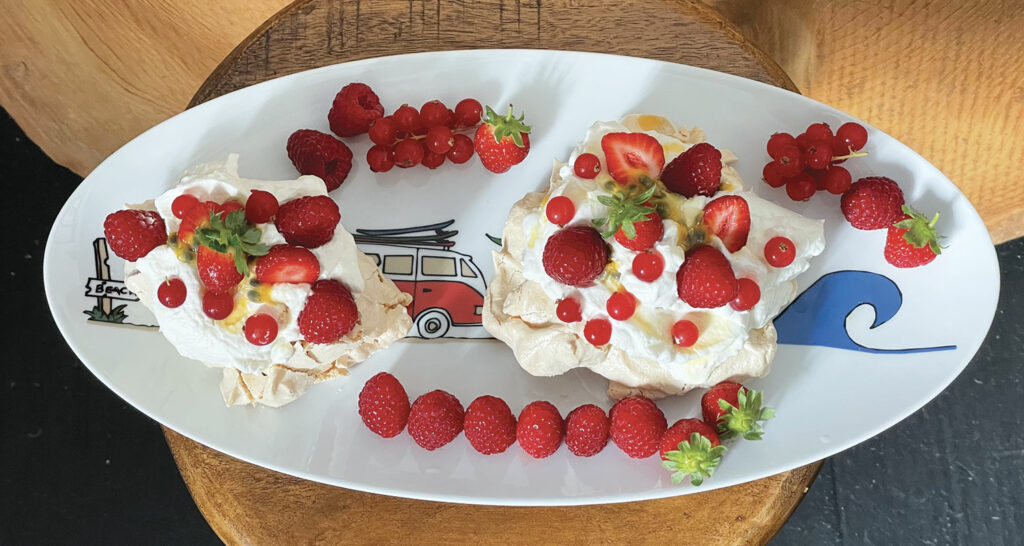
(586, 430)
(461, 150)
(408, 153)
(380, 158)
(383, 131)
(329, 314)
(131, 234)
(489, 424)
(308, 221)
(575, 256)
(540, 429)
(468, 112)
(697, 171)
(636, 426)
(320, 154)
(435, 419)
(384, 405)
(354, 109)
(435, 113)
(408, 120)
(872, 203)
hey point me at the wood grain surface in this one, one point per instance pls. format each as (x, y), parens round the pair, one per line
(246, 504)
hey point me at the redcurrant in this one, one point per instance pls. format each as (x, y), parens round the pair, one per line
(462, 149)
(182, 204)
(779, 251)
(380, 158)
(171, 293)
(621, 305)
(685, 333)
(560, 210)
(408, 153)
(586, 166)
(260, 329)
(218, 305)
(568, 310)
(648, 266)
(598, 331)
(747, 296)
(260, 207)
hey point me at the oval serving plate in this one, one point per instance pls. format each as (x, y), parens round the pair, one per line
(863, 347)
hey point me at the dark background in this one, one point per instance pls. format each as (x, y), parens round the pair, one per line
(78, 465)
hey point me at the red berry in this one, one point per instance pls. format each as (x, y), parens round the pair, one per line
(568, 310)
(747, 296)
(195, 218)
(439, 139)
(260, 207)
(308, 221)
(218, 305)
(560, 210)
(706, 280)
(489, 425)
(468, 112)
(587, 166)
(575, 256)
(685, 333)
(681, 430)
(172, 293)
(384, 131)
(586, 430)
(217, 270)
(872, 203)
(434, 113)
(598, 331)
(354, 109)
(819, 132)
(287, 264)
(629, 157)
(801, 187)
(501, 141)
(779, 251)
(710, 410)
(227, 207)
(131, 234)
(912, 241)
(260, 329)
(648, 266)
(330, 312)
(380, 158)
(432, 160)
(435, 419)
(772, 175)
(182, 204)
(850, 136)
(384, 405)
(636, 426)
(408, 153)
(697, 171)
(621, 305)
(777, 142)
(728, 218)
(540, 429)
(408, 120)
(818, 155)
(836, 180)
(789, 161)
(739, 417)
(648, 233)
(462, 149)
(320, 154)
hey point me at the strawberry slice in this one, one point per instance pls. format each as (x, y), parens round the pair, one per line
(196, 217)
(287, 263)
(728, 217)
(630, 156)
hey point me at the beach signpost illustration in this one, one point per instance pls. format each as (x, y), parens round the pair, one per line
(108, 290)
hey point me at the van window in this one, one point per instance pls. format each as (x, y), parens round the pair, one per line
(374, 257)
(467, 271)
(438, 266)
(398, 265)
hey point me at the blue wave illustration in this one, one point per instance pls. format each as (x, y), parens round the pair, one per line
(818, 315)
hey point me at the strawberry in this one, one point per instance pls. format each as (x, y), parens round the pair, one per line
(287, 263)
(912, 240)
(697, 171)
(691, 448)
(384, 405)
(636, 426)
(632, 156)
(195, 217)
(435, 419)
(489, 424)
(575, 256)
(501, 142)
(224, 245)
(131, 234)
(308, 221)
(217, 270)
(706, 280)
(728, 217)
(320, 154)
(631, 219)
(586, 430)
(355, 107)
(329, 314)
(872, 203)
(539, 430)
(734, 410)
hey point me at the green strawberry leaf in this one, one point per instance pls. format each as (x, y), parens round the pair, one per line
(625, 209)
(920, 230)
(694, 458)
(745, 420)
(506, 126)
(232, 234)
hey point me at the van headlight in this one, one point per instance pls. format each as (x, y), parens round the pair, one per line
(478, 310)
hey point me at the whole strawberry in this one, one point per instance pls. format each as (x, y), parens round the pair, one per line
(308, 221)
(435, 419)
(217, 270)
(586, 430)
(697, 171)
(354, 109)
(540, 429)
(329, 314)
(320, 154)
(489, 425)
(872, 203)
(691, 448)
(384, 405)
(501, 141)
(631, 219)
(224, 244)
(728, 218)
(636, 426)
(131, 234)
(706, 280)
(734, 410)
(912, 241)
(575, 256)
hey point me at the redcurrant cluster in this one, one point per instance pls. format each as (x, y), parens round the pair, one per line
(810, 161)
(428, 136)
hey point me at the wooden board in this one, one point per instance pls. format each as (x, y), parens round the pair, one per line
(247, 504)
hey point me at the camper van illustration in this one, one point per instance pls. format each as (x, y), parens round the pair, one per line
(446, 286)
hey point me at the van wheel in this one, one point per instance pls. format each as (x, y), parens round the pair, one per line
(433, 323)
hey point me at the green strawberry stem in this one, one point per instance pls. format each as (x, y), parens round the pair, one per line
(920, 230)
(233, 235)
(743, 420)
(507, 126)
(694, 458)
(624, 210)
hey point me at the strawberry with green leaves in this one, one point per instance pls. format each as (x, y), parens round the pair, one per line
(631, 219)
(735, 410)
(912, 240)
(224, 245)
(691, 448)
(501, 141)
